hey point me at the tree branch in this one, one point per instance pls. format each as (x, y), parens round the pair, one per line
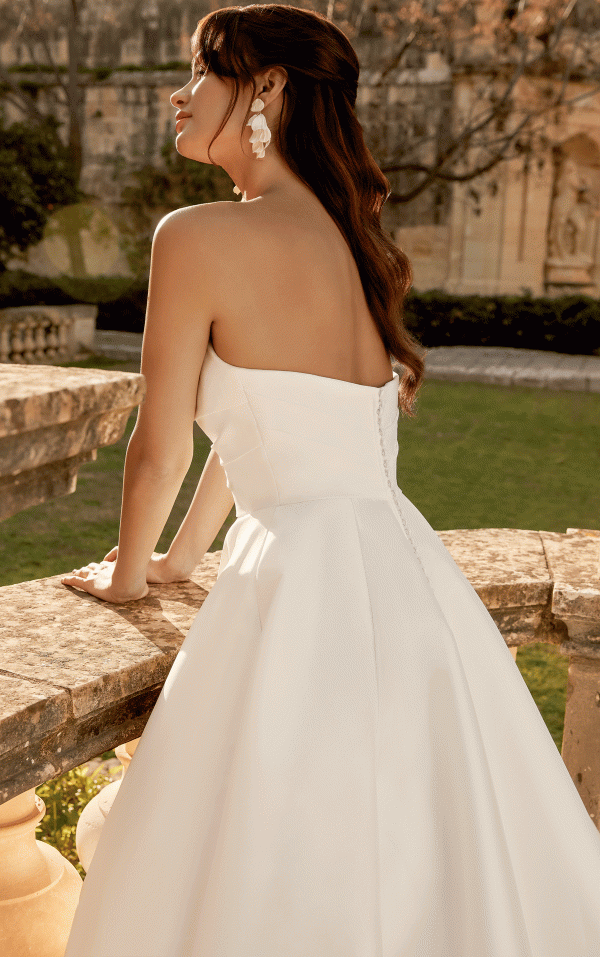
(27, 102)
(59, 80)
(435, 173)
(394, 62)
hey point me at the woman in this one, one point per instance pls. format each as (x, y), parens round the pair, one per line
(344, 760)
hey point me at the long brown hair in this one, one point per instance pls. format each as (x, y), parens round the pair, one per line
(321, 139)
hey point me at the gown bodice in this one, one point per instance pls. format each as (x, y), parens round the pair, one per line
(284, 436)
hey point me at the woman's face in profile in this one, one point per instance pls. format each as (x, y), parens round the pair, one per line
(206, 97)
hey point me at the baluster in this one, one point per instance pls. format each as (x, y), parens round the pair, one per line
(40, 338)
(28, 340)
(94, 814)
(47, 332)
(17, 342)
(4, 343)
(39, 888)
(64, 324)
(51, 340)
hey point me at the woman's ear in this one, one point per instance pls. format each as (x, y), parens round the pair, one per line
(274, 79)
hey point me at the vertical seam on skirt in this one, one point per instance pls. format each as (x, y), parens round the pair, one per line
(378, 867)
(370, 608)
(257, 563)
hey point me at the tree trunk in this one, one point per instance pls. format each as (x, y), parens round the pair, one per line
(75, 145)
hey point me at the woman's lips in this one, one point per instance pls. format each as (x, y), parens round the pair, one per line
(182, 119)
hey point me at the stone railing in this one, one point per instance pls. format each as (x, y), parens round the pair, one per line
(51, 420)
(45, 334)
(79, 679)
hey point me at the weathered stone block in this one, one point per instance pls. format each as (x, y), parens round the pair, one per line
(53, 418)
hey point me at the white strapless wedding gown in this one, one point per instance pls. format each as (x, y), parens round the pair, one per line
(344, 760)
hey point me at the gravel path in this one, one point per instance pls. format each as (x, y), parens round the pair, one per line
(494, 364)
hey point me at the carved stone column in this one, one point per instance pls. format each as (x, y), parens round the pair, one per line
(581, 737)
(574, 219)
(574, 564)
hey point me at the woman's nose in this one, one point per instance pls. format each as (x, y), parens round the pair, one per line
(177, 98)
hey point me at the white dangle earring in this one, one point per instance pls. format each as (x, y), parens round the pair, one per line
(261, 134)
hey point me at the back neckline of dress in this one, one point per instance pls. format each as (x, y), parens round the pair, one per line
(312, 375)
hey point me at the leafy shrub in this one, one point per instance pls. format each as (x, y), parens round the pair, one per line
(18, 287)
(36, 175)
(121, 311)
(128, 312)
(569, 324)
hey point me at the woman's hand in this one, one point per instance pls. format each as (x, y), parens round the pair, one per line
(97, 579)
(160, 570)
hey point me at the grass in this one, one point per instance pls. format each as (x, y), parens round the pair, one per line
(70, 531)
(475, 456)
(485, 456)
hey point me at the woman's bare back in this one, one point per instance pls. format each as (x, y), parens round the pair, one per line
(287, 293)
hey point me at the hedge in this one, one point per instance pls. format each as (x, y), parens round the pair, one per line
(569, 324)
(124, 311)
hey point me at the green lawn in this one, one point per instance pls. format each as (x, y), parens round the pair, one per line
(475, 456)
(485, 456)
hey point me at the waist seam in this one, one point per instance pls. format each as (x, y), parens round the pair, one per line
(352, 496)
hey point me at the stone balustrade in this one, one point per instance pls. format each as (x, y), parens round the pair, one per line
(51, 420)
(79, 676)
(46, 334)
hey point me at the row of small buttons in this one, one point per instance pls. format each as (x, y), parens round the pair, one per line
(393, 485)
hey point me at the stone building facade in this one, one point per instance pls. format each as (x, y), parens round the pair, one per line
(533, 227)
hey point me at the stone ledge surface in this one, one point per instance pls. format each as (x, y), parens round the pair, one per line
(35, 396)
(52, 419)
(76, 680)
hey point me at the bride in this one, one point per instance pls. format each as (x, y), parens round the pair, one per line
(344, 760)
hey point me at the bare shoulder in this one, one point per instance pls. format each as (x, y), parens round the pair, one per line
(213, 228)
(225, 219)
(198, 217)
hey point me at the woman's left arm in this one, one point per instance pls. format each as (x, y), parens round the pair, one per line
(161, 446)
(148, 497)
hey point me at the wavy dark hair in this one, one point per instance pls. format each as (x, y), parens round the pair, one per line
(321, 139)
